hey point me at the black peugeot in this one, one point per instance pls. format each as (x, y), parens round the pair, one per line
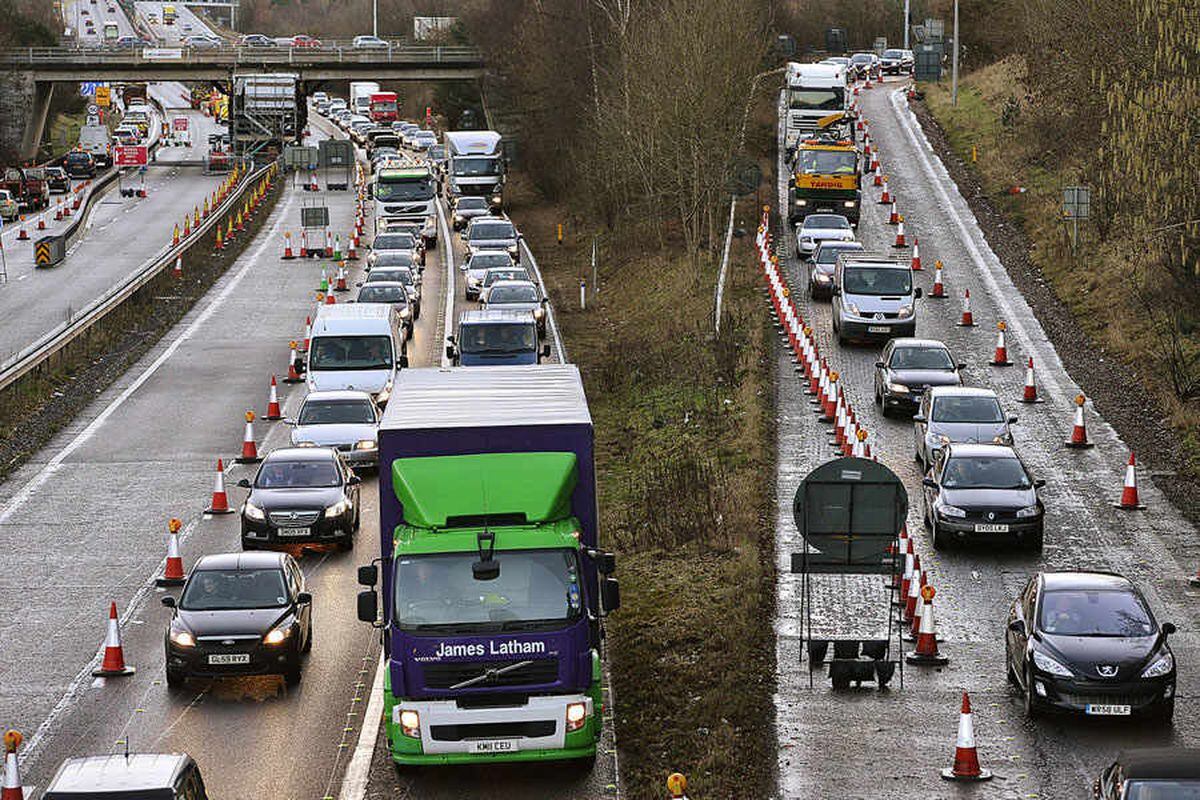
(1087, 642)
(240, 614)
(907, 368)
(303, 498)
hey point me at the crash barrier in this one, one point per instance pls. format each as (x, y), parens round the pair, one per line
(241, 186)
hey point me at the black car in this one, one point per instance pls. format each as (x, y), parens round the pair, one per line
(907, 368)
(896, 62)
(58, 180)
(240, 614)
(1161, 773)
(1087, 642)
(824, 260)
(982, 492)
(79, 164)
(303, 497)
(110, 777)
(258, 40)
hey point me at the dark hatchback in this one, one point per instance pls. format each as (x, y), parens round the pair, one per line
(1087, 642)
(1161, 773)
(135, 776)
(240, 614)
(57, 180)
(79, 164)
(906, 370)
(982, 492)
(302, 497)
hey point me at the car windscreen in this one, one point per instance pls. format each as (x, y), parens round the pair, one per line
(232, 589)
(309, 473)
(378, 275)
(985, 472)
(493, 230)
(394, 241)
(828, 255)
(920, 358)
(876, 281)
(504, 275)
(498, 337)
(1079, 612)
(536, 589)
(1162, 789)
(893, 54)
(470, 204)
(350, 353)
(391, 258)
(389, 190)
(826, 222)
(337, 412)
(860, 58)
(489, 260)
(967, 409)
(512, 294)
(827, 162)
(375, 293)
(477, 166)
(816, 99)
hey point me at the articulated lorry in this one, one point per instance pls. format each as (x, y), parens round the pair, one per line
(814, 91)
(492, 584)
(475, 165)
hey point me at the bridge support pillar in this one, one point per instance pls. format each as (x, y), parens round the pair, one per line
(35, 122)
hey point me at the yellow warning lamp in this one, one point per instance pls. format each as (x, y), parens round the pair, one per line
(676, 784)
(249, 416)
(12, 740)
(173, 525)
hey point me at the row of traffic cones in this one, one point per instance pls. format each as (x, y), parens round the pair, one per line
(332, 248)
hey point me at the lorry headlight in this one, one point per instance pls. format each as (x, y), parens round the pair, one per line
(850, 203)
(183, 638)
(253, 512)
(576, 716)
(338, 508)
(365, 444)
(800, 202)
(410, 722)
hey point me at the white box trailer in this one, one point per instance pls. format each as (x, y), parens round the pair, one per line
(813, 91)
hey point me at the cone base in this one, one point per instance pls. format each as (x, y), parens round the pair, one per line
(984, 775)
(927, 661)
(967, 325)
(113, 673)
(293, 380)
(273, 417)
(995, 363)
(1134, 507)
(216, 512)
(245, 460)
(932, 296)
(908, 637)
(170, 581)
(1031, 402)
(288, 258)
(1079, 445)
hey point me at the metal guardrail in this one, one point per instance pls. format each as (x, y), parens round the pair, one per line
(235, 56)
(63, 334)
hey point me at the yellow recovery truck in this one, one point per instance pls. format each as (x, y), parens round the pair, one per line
(827, 172)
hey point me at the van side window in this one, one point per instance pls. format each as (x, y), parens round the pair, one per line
(190, 786)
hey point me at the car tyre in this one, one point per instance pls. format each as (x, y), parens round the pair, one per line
(308, 638)
(1032, 710)
(1034, 543)
(292, 676)
(175, 679)
(940, 540)
(1011, 673)
(1165, 713)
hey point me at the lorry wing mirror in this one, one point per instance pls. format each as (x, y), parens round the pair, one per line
(368, 575)
(606, 563)
(610, 595)
(917, 292)
(368, 606)
(402, 362)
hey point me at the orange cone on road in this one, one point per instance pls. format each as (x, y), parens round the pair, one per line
(249, 448)
(12, 789)
(113, 664)
(173, 574)
(330, 300)
(1000, 357)
(966, 758)
(893, 214)
(293, 373)
(1129, 494)
(1029, 394)
(303, 348)
(967, 321)
(878, 175)
(1079, 437)
(328, 245)
(885, 199)
(23, 233)
(341, 286)
(913, 596)
(177, 270)
(916, 255)
(939, 289)
(288, 255)
(220, 500)
(303, 243)
(41, 223)
(900, 242)
(926, 653)
(273, 410)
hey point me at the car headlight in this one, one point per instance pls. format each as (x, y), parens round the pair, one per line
(1047, 664)
(806, 239)
(950, 511)
(253, 512)
(338, 508)
(183, 638)
(365, 444)
(385, 394)
(897, 388)
(496, 199)
(1028, 511)
(513, 249)
(821, 277)
(1161, 666)
(409, 721)
(539, 313)
(459, 218)
(278, 635)
(473, 281)
(405, 312)
(576, 716)
(905, 312)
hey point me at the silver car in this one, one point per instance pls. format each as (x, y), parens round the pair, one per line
(817, 228)
(966, 414)
(518, 296)
(345, 420)
(476, 266)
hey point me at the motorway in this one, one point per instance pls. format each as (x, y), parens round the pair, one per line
(186, 24)
(74, 16)
(908, 734)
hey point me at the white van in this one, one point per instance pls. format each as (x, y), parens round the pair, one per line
(357, 347)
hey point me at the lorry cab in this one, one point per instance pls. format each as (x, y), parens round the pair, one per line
(407, 194)
(136, 776)
(873, 297)
(814, 91)
(475, 165)
(495, 338)
(357, 347)
(826, 175)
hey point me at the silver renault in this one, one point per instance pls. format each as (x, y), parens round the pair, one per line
(965, 414)
(874, 297)
(347, 420)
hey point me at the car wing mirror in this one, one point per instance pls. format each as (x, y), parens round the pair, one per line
(303, 598)
(354, 480)
(1168, 628)
(879, 365)
(169, 602)
(918, 292)
(1017, 626)
(1039, 483)
(1012, 420)
(929, 482)
(918, 418)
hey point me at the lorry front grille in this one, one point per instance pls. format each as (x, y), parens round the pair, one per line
(492, 730)
(447, 674)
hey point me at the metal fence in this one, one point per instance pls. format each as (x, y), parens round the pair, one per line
(237, 56)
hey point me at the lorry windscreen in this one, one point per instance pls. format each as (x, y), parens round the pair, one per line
(350, 352)
(500, 337)
(477, 166)
(535, 589)
(405, 189)
(827, 162)
(818, 99)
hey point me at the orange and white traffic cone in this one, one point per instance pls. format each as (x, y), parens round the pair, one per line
(352, 253)
(41, 223)
(966, 758)
(860, 444)
(294, 369)
(912, 571)
(249, 448)
(878, 181)
(967, 320)
(113, 664)
(22, 234)
(173, 574)
(303, 243)
(1079, 437)
(313, 186)
(938, 292)
(916, 255)
(885, 199)
(177, 271)
(12, 789)
(340, 285)
(900, 242)
(893, 214)
(303, 348)
(926, 653)
(1000, 357)
(913, 597)
(273, 410)
(1029, 394)
(220, 500)
(1129, 494)
(330, 299)
(328, 244)
(288, 255)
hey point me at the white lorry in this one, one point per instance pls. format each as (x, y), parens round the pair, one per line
(475, 165)
(814, 91)
(360, 96)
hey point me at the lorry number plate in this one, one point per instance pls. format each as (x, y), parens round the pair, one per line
(494, 746)
(295, 531)
(1108, 710)
(984, 527)
(229, 658)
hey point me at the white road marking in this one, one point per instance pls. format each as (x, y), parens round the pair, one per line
(448, 261)
(358, 771)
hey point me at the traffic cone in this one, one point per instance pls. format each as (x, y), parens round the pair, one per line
(967, 320)
(878, 175)
(337, 247)
(352, 254)
(900, 236)
(829, 409)
(966, 759)
(1079, 437)
(913, 596)
(113, 664)
(293, 373)
(187, 227)
(12, 789)
(41, 223)
(178, 269)
(249, 448)
(328, 245)
(885, 199)
(220, 500)
(312, 183)
(307, 335)
(926, 653)
(912, 572)
(330, 300)
(303, 243)
(273, 410)
(1000, 358)
(893, 215)
(916, 255)
(1030, 395)
(22, 234)
(1129, 495)
(58, 211)
(939, 290)
(173, 574)
(341, 281)
(175, 236)
(288, 255)
(867, 145)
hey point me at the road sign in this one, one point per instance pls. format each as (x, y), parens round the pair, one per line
(1077, 202)
(87, 89)
(314, 217)
(130, 155)
(181, 123)
(93, 109)
(103, 96)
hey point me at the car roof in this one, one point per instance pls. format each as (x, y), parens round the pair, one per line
(496, 315)
(970, 450)
(502, 284)
(1077, 579)
(1160, 762)
(336, 394)
(962, 391)
(300, 454)
(128, 773)
(252, 559)
(930, 344)
(386, 284)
